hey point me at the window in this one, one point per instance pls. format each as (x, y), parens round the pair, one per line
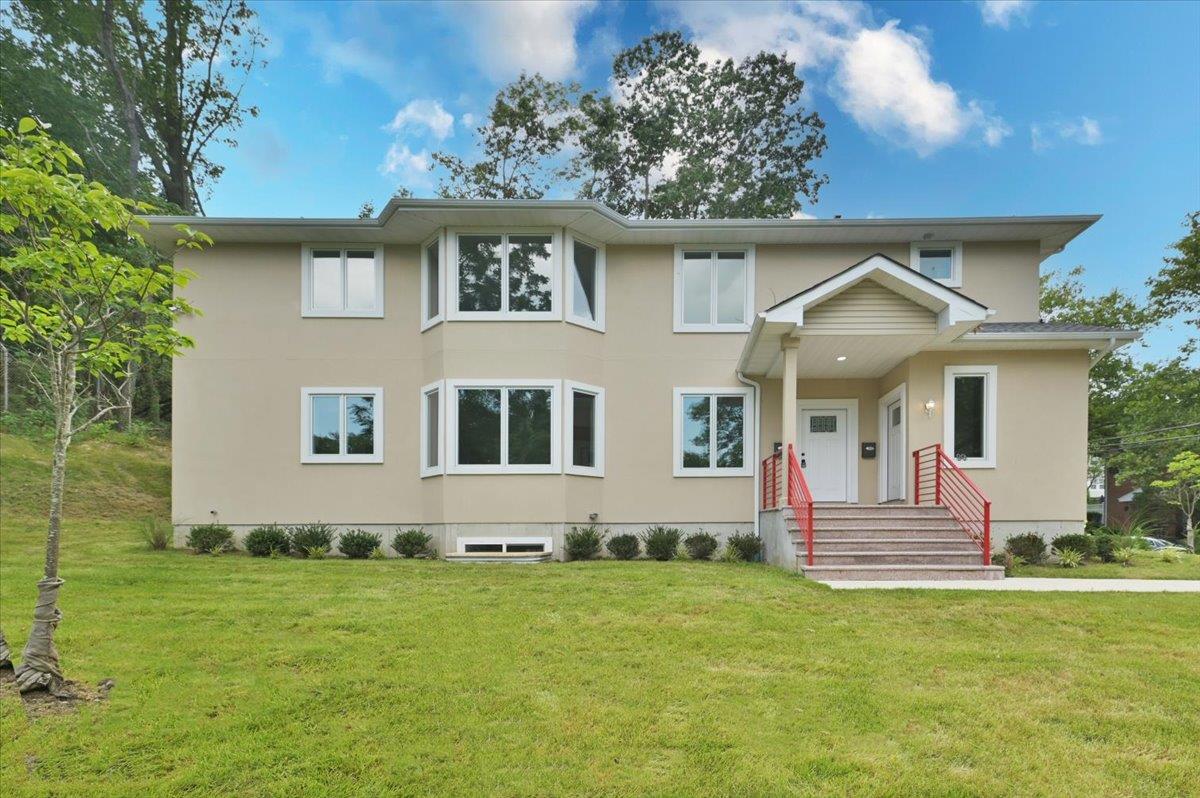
(714, 289)
(506, 275)
(586, 279)
(341, 425)
(431, 282)
(503, 426)
(970, 415)
(712, 432)
(941, 261)
(432, 429)
(584, 411)
(342, 281)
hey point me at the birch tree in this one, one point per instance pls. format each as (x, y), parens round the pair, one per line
(82, 312)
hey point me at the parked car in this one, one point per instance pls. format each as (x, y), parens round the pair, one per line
(1158, 544)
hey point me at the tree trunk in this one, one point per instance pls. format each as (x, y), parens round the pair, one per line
(153, 400)
(125, 392)
(39, 668)
(1190, 528)
(129, 112)
(4, 376)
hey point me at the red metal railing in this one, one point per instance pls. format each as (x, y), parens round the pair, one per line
(936, 474)
(798, 496)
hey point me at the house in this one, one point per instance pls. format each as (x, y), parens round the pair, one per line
(499, 371)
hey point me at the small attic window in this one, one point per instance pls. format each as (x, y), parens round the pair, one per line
(939, 260)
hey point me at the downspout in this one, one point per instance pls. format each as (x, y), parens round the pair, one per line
(742, 378)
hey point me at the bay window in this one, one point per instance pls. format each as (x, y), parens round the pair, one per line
(969, 414)
(341, 425)
(341, 281)
(431, 282)
(714, 289)
(505, 275)
(503, 426)
(432, 429)
(584, 410)
(712, 429)
(586, 281)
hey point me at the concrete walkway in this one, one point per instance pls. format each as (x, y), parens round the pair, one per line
(1034, 584)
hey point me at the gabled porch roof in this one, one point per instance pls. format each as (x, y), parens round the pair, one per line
(859, 323)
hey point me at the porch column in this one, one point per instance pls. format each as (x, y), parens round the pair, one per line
(789, 407)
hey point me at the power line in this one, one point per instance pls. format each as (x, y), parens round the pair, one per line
(1145, 432)
(1139, 444)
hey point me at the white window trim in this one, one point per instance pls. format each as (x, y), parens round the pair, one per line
(502, 383)
(548, 543)
(437, 318)
(955, 247)
(504, 314)
(440, 468)
(306, 299)
(747, 469)
(748, 314)
(899, 392)
(306, 455)
(989, 373)
(569, 282)
(569, 387)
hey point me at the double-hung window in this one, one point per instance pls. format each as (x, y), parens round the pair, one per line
(432, 298)
(503, 426)
(341, 425)
(506, 276)
(969, 411)
(714, 289)
(585, 283)
(433, 430)
(341, 281)
(941, 261)
(712, 429)
(583, 408)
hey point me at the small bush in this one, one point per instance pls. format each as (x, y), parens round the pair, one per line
(748, 545)
(1030, 547)
(661, 542)
(1107, 545)
(156, 533)
(1170, 555)
(1084, 544)
(1006, 558)
(357, 544)
(315, 552)
(700, 546)
(267, 541)
(1124, 555)
(378, 554)
(624, 547)
(210, 539)
(730, 554)
(411, 543)
(307, 537)
(1070, 558)
(583, 542)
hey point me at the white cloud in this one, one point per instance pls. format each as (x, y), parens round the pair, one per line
(881, 75)
(802, 215)
(411, 167)
(423, 114)
(1084, 130)
(522, 35)
(1002, 13)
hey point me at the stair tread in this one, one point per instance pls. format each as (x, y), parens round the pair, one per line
(902, 567)
(819, 539)
(894, 553)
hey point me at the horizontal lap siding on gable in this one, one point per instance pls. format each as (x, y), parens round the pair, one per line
(868, 309)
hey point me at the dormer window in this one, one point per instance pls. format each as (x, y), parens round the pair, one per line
(939, 260)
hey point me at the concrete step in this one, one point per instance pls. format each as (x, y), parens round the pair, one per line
(825, 524)
(946, 557)
(881, 573)
(828, 510)
(520, 558)
(830, 545)
(945, 532)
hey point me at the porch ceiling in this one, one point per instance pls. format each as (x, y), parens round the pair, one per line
(867, 356)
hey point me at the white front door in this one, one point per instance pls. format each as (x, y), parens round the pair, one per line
(823, 453)
(895, 451)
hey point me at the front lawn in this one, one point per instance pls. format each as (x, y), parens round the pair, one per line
(240, 676)
(1145, 565)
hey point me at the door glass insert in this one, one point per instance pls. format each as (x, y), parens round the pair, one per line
(822, 423)
(896, 416)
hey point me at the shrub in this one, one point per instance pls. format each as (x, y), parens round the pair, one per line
(265, 541)
(377, 553)
(661, 542)
(730, 554)
(1030, 547)
(700, 546)
(1008, 560)
(624, 547)
(1070, 558)
(210, 539)
(305, 538)
(411, 543)
(156, 534)
(315, 552)
(1124, 555)
(1107, 545)
(583, 542)
(748, 545)
(357, 544)
(1084, 544)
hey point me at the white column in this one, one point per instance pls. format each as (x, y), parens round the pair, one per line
(788, 408)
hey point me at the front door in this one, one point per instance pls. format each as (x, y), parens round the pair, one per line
(895, 451)
(823, 453)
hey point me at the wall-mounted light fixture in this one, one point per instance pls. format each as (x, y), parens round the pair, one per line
(930, 406)
(840, 358)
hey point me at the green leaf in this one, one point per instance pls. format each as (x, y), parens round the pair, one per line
(26, 125)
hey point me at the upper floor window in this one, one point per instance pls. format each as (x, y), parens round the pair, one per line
(714, 289)
(506, 275)
(342, 281)
(712, 432)
(341, 425)
(586, 283)
(432, 305)
(941, 261)
(969, 411)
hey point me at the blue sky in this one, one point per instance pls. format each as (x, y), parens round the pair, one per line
(943, 108)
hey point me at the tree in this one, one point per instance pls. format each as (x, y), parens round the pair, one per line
(80, 311)
(1159, 412)
(1182, 489)
(687, 138)
(142, 92)
(530, 122)
(1176, 288)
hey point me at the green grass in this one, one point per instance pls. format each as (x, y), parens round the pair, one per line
(1145, 565)
(240, 676)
